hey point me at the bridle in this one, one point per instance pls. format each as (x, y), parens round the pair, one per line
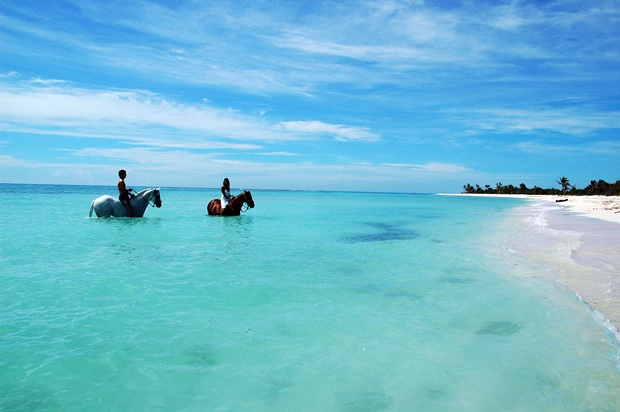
(245, 203)
(151, 202)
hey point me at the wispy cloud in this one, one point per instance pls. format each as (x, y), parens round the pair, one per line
(316, 128)
(146, 118)
(225, 44)
(183, 168)
(431, 167)
(570, 121)
(600, 148)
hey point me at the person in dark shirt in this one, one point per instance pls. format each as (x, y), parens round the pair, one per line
(123, 192)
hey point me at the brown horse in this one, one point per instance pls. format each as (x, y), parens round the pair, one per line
(214, 207)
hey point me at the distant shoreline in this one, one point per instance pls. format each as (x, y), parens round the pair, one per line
(593, 206)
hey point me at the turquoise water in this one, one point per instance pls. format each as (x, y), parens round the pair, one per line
(310, 301)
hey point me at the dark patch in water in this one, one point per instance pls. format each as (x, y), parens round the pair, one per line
(200, 356)
(385, 232)
(457, 280)
(373, 401)
(434, 392)
(430, 215)
(403, 294)
(275, 388)
(502, 328)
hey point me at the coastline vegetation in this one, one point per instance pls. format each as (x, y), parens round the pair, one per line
(596, 187)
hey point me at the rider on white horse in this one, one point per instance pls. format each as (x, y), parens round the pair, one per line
(105, 206)
(123, 192)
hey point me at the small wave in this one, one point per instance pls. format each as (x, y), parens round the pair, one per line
(602, 320)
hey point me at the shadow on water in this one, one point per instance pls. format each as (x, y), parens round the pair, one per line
(231, 222)
(502, 328)
(384, 232)
(371, 401)
(275, 388)
(435, 392)
(125, 222)
(457, 280)
(200, 356)
(403, 294)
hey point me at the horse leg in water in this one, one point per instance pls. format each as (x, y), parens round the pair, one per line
(129, 210)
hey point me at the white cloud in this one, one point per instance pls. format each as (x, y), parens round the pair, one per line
(601, 148)
(80, 109)
(277, 154)
(340, 132)
(181, 168)
(568, 121)
(431, 167)
(225, 44)
(145, 118)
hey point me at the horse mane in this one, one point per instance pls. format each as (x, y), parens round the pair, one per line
(239, 200)
(143, 191)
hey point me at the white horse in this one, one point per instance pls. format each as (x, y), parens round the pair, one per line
(106, 206)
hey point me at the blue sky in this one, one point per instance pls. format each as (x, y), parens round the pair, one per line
(396, 96)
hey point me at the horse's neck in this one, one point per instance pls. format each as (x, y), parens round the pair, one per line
(141, 201)
(238, 201)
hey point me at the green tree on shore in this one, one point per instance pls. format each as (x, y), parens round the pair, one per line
(596, 187)
(564, 183)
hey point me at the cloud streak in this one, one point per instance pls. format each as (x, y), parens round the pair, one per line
(340, 132)
(576, 122)
(229, 44)
(146, 118)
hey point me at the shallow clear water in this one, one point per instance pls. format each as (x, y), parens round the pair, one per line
(310, 301)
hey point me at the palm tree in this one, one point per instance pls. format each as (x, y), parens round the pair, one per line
(564, 183)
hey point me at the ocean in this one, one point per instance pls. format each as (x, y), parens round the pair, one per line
(311, 301)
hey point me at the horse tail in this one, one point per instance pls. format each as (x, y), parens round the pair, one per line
(92, 205)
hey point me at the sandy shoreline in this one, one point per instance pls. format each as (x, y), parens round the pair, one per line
(598, 207)
(578, 241)
(595, 275)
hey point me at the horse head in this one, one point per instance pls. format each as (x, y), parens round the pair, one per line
(157, 198)
(248, 198)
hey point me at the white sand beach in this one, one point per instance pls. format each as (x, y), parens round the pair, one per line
(599, 207)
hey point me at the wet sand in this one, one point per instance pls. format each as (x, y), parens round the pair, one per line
(595, 277)
(578, 241)
(599, 207)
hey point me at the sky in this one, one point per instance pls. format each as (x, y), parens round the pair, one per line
(384, 96)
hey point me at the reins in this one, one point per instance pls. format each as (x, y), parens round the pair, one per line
(151, 202)
(245, 203)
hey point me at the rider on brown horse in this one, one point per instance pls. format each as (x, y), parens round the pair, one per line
(229, 205)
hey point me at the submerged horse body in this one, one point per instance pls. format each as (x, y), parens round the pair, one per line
(106, 206)
(214, 207)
